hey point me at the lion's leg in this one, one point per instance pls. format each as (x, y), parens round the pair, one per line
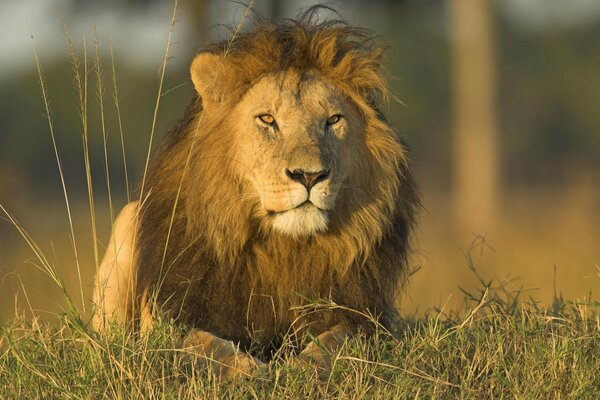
(221, 355)
(114, 287)
(319, 352)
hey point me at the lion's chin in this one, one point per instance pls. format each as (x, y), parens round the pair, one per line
(305, 220)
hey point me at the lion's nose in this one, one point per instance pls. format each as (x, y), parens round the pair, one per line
(308, 179)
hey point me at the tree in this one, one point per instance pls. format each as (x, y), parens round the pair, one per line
(476, 172)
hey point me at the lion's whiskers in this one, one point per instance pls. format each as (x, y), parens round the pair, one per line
(355, 188)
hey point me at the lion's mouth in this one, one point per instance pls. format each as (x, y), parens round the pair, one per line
(307, 205)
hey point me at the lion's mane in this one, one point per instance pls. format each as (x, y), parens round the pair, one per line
(220, 271)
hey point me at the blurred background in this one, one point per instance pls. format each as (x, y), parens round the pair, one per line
(499, 101)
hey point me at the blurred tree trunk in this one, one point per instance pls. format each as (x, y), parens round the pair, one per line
(276, 9)
(198, 10)
(476, 172)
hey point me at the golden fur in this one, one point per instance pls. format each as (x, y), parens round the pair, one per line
(208, 250)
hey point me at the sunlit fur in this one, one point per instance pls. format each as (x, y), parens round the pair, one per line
(218, 261)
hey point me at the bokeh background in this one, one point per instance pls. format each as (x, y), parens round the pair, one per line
(499, 101)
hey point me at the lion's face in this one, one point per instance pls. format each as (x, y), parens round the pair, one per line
(295, 137)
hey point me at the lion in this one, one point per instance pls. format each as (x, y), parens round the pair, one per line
(282, 185)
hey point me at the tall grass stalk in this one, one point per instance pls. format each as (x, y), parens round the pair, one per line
(48, 115)
(100, 92)
(81, 87)
(115, 93)
(158, 96)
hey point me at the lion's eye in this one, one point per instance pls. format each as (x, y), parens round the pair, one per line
(334, 119)
(267, 119)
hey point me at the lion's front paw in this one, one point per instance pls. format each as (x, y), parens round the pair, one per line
(220, 356)
(319, 353)
(239, 364)
(318, 359)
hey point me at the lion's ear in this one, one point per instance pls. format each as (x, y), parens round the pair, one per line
(208, 74)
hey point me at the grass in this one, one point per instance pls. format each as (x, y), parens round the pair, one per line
(501, 348)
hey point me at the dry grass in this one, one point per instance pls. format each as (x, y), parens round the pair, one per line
(502, 348)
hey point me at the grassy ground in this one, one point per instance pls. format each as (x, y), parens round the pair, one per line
(501, 348)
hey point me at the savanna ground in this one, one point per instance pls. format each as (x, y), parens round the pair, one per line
(503, 347)
(510, 337)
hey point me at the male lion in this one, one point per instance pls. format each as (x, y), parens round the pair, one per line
(282, 184)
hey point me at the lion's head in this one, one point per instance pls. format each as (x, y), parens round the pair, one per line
(291, 111)
(295, 136)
